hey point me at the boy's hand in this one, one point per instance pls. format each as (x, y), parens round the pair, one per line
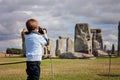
(44, 31)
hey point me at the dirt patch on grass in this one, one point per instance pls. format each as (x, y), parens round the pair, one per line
(2, 54)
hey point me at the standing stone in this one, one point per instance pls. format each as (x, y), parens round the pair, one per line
(44, 51)
(70, 45)
(98, 37)
(95, 45)
(83, 40)
(59, 47)
(95, 42)
(23, 42)
(51, 50)
(113, 49)
(119, 39)
(93, 39)
(105, 48)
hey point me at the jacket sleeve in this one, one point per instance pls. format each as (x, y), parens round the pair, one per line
(44, 40)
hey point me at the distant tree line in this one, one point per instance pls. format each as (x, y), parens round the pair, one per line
(13, 51)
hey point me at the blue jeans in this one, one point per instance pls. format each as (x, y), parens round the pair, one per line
(33, 70)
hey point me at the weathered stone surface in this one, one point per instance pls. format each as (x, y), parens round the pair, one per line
(63, 37)
(119, 39)
(75, 55)
(51, 50)
(95, 30)
(67, 55)
(99, 39)
(83, 39)
(45, 52)
(96, 45)
(97, 36)
(83, 55)
(100, 52)
(70, 45)
(105, 48)
(59, 46)
(48, 51)
(97, 42)
(23, 42)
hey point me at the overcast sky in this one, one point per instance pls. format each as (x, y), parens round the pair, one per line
(59, 17)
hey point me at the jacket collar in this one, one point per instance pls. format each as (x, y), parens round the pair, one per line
(33, 31)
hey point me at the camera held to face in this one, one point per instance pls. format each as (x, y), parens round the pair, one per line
(41, 30)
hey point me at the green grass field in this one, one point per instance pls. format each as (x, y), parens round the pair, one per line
(64, 69)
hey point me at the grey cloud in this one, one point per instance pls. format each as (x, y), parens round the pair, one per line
(98, 11)
(56, 15)
(26, 2)
(110, 36)
(4, 37)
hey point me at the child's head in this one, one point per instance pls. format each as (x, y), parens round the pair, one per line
(31, 24)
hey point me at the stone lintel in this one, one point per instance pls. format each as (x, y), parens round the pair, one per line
(96, 30)
(63, 37)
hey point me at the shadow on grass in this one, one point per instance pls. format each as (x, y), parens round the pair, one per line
(12, 63)
(111, 75)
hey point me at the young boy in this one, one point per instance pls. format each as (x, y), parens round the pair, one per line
(34, 41)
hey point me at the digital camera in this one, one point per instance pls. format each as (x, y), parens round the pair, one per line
(41, 30)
